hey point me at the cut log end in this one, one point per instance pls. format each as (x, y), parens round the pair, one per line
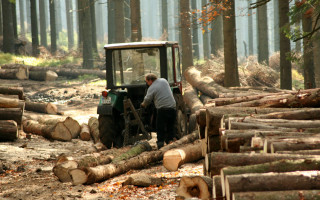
(78, 176)
(172, 160)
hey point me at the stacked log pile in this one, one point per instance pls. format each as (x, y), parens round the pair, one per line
(258, 143)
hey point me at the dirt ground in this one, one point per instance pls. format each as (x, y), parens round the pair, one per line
(26, 164)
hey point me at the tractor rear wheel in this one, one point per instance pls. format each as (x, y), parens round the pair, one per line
(109, 131)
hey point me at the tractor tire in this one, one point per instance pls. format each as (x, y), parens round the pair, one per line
(109, 132)
(181, 117)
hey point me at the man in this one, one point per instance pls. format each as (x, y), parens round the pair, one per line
(160, 93)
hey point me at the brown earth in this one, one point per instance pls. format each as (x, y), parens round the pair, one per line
(26, 164)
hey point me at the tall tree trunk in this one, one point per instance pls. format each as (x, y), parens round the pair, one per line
(28, 16)
(216, 35)
(127, 20)
(8, 35)
(93, 26)
(53, 32)
(119, 21)
(276, 27)
(69, 14)
(187, 59)
(14, 20)
(316, 50)
(298, 28)
(262, 26)
(285, 64)
(34, 28)
(100, 22)
(43, 26)
(164, 18)
(1, 21)
(250, 29)
(86, 33)
(206, 52)
(79, 18)
(21, 12)
(177, 21)
(111, 21)
(230, 46)
(195, 37)
(136, 34)
(308, 65)
(58, 17)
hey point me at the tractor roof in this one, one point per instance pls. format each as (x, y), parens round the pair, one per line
(139, 44)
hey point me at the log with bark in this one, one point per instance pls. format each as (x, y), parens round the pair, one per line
(11, 114)
(22, 73)
(142, 180)
(174, 158)
(302, 152)
(215, 161)
(301, 144)
(41, 107)
(11, 103)
(301, 114)
(93, 124)
(197, 186)
(85, 132)
(100, 173)
(55, 132)
(12, 91)
(217, 188)
(8, 130)
(276, 166)
(277, 195)
(43, 75)
(299, 180)
(191, 99)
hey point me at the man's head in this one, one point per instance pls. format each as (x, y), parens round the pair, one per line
(150, 77)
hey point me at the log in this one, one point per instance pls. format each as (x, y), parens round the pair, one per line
(276, 166)
(277, 195)
(73, 126)
(8, 130)
(304, 114)
(43, 75)
(56, 132)
(204, 84)
(214, 122)
(21, 74)
(299, 180)
(12, 91)
(301, 144)
(197, 186)
(85, 132)
(201, 121)
(215, 161)
(100, 173)
(11, 114)
(40, 107)
(191, 99)
(11, 103)
(302, 152)
(174, 158)
(137, 149)
(142, 180)
(216, 188)
(93, 124)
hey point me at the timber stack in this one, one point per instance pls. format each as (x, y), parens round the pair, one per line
(257, 142)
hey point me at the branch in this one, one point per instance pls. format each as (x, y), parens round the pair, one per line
(258, 4)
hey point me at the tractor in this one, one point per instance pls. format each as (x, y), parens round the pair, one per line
(121, 119)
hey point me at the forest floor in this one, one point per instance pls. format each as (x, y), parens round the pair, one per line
(26, 164)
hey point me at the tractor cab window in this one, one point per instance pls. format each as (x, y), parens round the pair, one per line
(177, 64)
(131, 65)
(170, 65)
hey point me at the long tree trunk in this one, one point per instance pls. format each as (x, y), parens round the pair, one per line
(285, 63)
(230, 46)
(195, 37)
(205, 35)
(8, 33)
(69, 15)
(43, 26)
(93, 26)
(14, 20)
(187, 59)
(34, 28)
(262, 26)
(111, 21)
(277, 195)
(216, 34)
(119, 21)
(22, 19)
(53, 32)
(277, 23)
(136, 34)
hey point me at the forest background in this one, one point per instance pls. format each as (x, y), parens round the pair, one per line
(57, 32)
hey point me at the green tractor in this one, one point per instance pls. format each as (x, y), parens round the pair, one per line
(121, 120)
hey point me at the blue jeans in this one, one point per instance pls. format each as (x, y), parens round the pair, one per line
(166, 118)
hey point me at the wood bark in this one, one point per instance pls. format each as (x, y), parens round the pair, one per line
(302, 152)
(85, 132)
(201, 120)
(192, 100)
(11, 103)
(21, 74)
(41, 107)
(43, 75)
(11, 114)
(302, 114)
(142, 180)
(93, 124)
(215, 161)
(197, 186)
(174, 158)
(277, 195)
(216, 188)
(299, 180)
(97, 174)
(214, 122)
(301, 144)
(56, 132)
(8, 130)
(13, 91)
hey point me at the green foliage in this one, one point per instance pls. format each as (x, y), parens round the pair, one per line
(6, 58)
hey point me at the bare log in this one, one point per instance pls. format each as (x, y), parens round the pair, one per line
(215, 161)
(174, 158)
(277, 195)
(8, 130)
(12, 91)
(93, 124)
(91, 175)
(11, 103)
(197, 186)
(85, 132)
(40, 107)
(22, 73)
(11, 114)
(299, 180)
(56, 132)
(43, 75)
